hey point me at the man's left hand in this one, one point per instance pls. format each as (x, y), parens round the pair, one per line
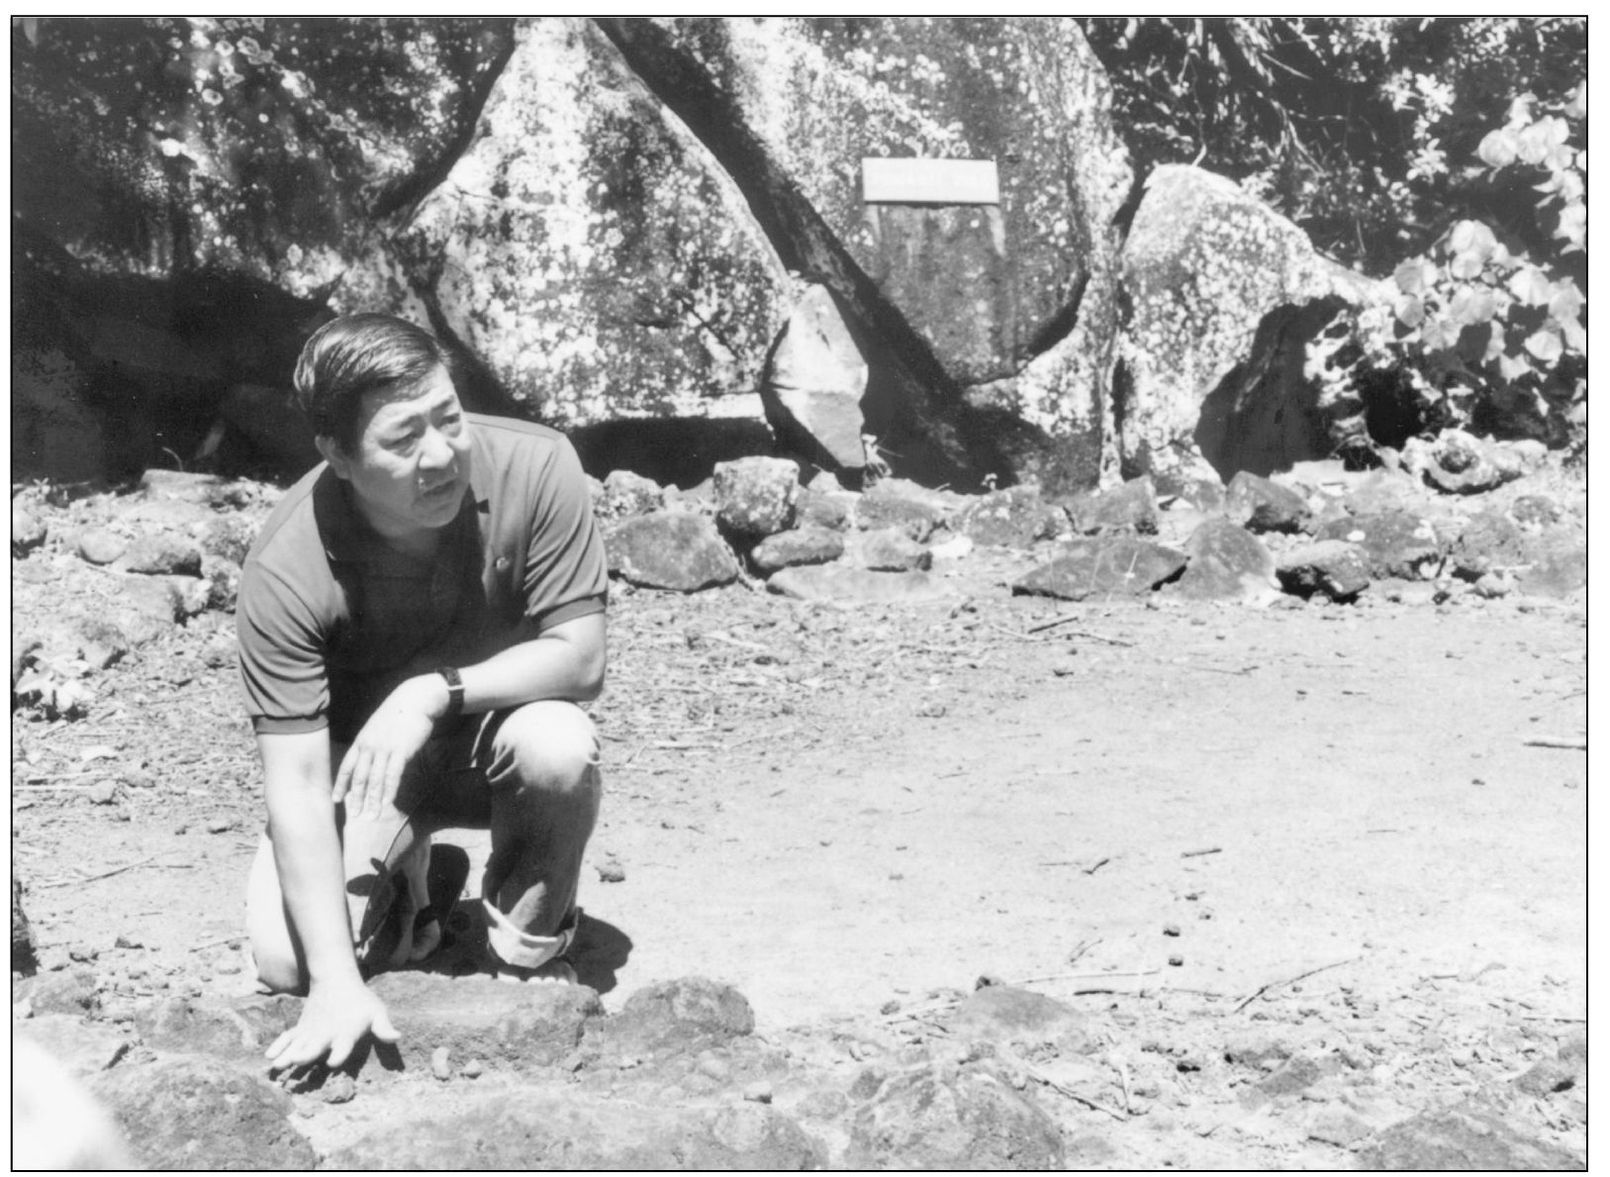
(371, 772)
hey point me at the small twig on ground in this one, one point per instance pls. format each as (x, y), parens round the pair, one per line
(1082, 977)
(1291, 981)
(1040, 1077)
(1011, 633)
(217, 943)
(1551, 1018)
(116, 870)
(1095, 866)
(1123, 1074)
(1579, 743)
(1200, 853)
(1082, 633)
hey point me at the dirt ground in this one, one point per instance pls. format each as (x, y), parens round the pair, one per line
(1152, 811)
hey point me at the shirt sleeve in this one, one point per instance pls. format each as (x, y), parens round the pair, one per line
(566, 574)
(282, 660)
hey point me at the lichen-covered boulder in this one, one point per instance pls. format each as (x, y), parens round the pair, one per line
(795, 105)
(1335, 567)
(1130, 506)
(928, 1119)
(1227, 563)
(1017, 517)
(1117, 565)
(592, 251)
(1397, 544)
(797, 546)
(1225, 296)
(676, 550)
(1261, 505)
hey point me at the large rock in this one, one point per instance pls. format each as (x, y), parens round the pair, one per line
(1117, 565)
(670, 550)
(242, 1031)
(1460, 463)
(1339, 569)
(1008, 1016)
(927, 1119)
(1017, 517)
(1227, 563)
(814, 383)
(195, 1112)
(1225, 296)
(802, 545)
(1489, 542)
(1128, 507)
(792, 107)
(591, 250)
(1559, 564)
(1396, 544)
(1261, 505)
(682, 1017)
(898, 502)
(1464, 1137)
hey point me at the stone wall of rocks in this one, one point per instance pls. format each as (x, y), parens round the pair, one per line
(642, 220)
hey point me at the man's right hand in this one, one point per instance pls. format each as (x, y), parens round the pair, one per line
(335, 1019)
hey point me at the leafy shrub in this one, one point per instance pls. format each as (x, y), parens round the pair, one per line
(1477, 333)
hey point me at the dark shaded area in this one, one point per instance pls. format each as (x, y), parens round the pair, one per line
(1264, 415)
(676, 450)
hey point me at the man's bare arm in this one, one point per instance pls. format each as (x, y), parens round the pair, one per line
(340, 1010)
(566, 662)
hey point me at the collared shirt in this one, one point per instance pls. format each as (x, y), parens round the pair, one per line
(331, 617)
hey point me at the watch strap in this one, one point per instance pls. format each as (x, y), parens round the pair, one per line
(455, 691)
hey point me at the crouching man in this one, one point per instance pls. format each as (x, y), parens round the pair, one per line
(418, 621)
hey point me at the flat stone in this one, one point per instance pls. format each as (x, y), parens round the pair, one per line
(1559, 565)
(544, 1128)
(897, 502)
(683, 1016)
(1005, 1014)
(1334, 567)
(670, 550)
(829, 509)
(890, 549)
(195, 1112)
(84, 1048)
(164, 554)
(1227, 564)
(1013, 518)
(755, 496)
(1104, 566)
(1130, 507)
(836, 582)
(1261, 505)
(67, 991)
(524, 1027)
(1396, 543)
(199, 1025)
(808, 544)
(972, 1119)
(1466, 1137)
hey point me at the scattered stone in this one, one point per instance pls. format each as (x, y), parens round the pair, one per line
(680, 1017)
(163, 555)
(611, 871)
(1395, 543)
(1227, 563)
(1104, 566)
(807, 544)
(758, 1092)
(473, 1069)
(1459, 463)
(625, 492)
(83, 1047)
(1013, 518)
(1333, 567)
(897, 502)
(1489, 541)
(1337, 1126)
(1536, 512)
(1466, 1137)
(24, 959)
(202, 1113)
(1256, 1048)
(670, 550)
(1176, 960)
(1547, 1077)
(1128, 508)
(441, 1065)
(97, 546)
(1004, 1014)
(890, 549)
(102, 793)
(1171, 929)
(27, 530)
(943, 1119)
(1297, 1073)
(1493, 586)
(220, 825)
(1260, 505)
(1559, 565)
(522, 1026)
(755, 496)
(69, 991)
(338, 1087)
(835, 582)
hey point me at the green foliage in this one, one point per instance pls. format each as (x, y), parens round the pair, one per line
(1484, 331)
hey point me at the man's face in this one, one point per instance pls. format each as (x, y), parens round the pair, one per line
(411, 464)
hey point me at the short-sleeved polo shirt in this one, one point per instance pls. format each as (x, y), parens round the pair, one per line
(331, 618)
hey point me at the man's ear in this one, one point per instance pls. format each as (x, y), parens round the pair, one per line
(332, 452)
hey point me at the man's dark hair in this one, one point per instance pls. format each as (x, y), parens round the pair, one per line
(358, 354)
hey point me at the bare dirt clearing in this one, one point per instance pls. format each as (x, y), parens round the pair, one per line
(1151, 813)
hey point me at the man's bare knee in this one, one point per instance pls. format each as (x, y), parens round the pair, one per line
(552, 748)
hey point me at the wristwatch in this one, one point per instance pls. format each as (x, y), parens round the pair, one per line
(455, 692)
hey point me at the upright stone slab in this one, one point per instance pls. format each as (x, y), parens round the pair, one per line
(1227, 564)
(814, 383)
